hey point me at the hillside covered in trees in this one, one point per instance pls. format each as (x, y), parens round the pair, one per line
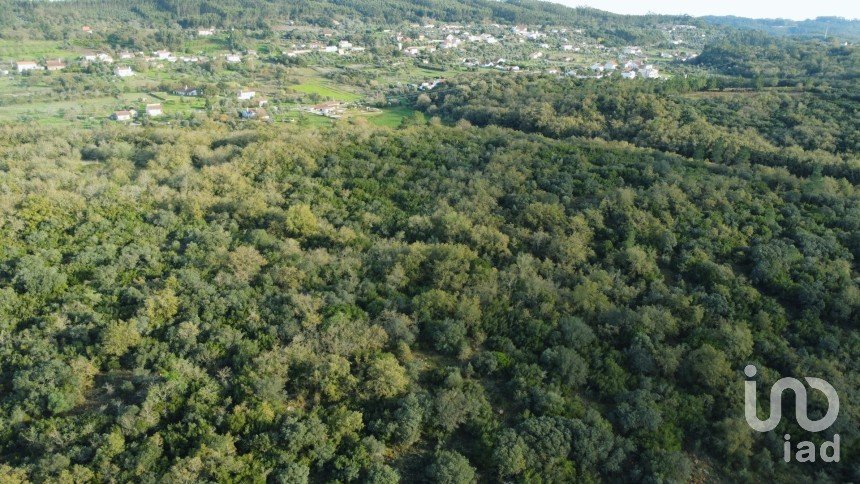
(432, 301)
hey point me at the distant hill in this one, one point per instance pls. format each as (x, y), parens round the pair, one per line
(833, 27)
(39, 16)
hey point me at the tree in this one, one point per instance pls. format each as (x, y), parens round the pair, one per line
(450, 467)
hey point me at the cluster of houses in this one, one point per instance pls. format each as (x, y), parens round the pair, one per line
(446, 37)
(343, 47)
(151, 110)
(628, 70)
(50, 65)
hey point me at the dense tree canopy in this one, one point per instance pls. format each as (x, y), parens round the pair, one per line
(441, 303)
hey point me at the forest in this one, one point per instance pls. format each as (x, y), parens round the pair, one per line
(427, 303)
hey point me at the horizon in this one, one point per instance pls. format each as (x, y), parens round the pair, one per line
(736, 8)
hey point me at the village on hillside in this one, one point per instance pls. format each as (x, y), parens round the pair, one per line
(304, 72)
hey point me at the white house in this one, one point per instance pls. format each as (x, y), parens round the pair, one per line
(102, 57)
(596, 67)
(163, 54)
(331, 108)
(536, 55)
(154, 110)
(650, 72)
(55, 65)
(233, 58)
(628, 74)
(122, 115)
(26, 66)
(246, 94)
(205, 32)
(123, 71)
(610, 66)
(125, 55)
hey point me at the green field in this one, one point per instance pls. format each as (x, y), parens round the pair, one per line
(391, 117)
(33, 49)
(325, 89)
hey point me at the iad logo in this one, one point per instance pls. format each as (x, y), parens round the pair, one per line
(805, 449)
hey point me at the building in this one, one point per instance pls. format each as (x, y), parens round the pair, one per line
(536, 55)
(233, 58)
(246, 94)
(125, 55)
(55, 65)
(122, 115)
(610, 66)
(205, 32)
(163, 54)
(102, 57)
(123, 71)
(259, 114)
(187, 92)
(631, 74)
(154, 110)
(650, 72)
(330, 109)
(86, 29)
(23, 66)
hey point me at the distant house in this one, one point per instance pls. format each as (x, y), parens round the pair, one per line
(90, 57)
(233, 58)
(536, 55)
(125, 55)
(427, 86)
(259, 114)
(123, 71)
(610, 66)
(154, 110)
(631, 74)
(205, 32)
(187, 92)
(122, 116)
(102, 57)
(330, 108)
(163, 54)
(246, 94)
(87, 29)
(26, 66)
(55, 65)
(650, 72)
(596, 67)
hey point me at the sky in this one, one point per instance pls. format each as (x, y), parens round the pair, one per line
(790, 9)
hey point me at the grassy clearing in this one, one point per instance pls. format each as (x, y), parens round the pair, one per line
(34, 49)
(325, 89)
(391, 117)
